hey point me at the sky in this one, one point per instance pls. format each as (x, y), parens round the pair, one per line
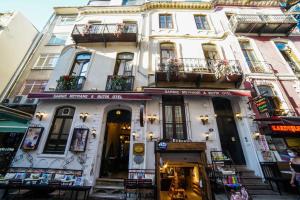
(37, 11)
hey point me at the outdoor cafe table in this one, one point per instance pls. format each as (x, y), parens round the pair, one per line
(36, 187)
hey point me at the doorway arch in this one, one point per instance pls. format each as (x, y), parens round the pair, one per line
(116, 144)
(228, 133)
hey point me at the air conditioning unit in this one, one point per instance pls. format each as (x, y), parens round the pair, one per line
(18, 99)
(31, 101)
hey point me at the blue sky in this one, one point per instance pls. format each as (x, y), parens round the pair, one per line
(37, 11)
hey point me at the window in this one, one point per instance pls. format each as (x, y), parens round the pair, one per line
(210, 52)
(67, 20)
(58, 39)
(81, 63)
(33, 86)
(124, 64)
(289, 56)
(167, 52)
(165, 21)
(250, 56)
(46, 61)
(275, 104)
(59, 132)
(201, 22)
(174, 118)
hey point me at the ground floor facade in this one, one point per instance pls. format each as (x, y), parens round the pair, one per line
(120, 138)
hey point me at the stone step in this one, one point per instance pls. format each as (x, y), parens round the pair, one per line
(109, 187)
(262, 192)
(258, 187)
(253, 180)
(105, 196)
(108, 181)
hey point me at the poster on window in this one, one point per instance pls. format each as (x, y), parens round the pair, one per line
(79, 139)
(32, 138)
(262, 144)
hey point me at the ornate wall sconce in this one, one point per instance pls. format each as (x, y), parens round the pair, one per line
(39, 115)
(204, 119)
(151, 136)
(94, 132)
(134, 135)
(207, 136)
(151, 118)
(238, 116)
(256, 135)
(83, 116)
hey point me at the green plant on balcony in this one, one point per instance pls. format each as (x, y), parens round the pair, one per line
(67, 82)
(118, 83)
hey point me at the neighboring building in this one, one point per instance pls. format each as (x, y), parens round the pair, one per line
(142, 89)
(14, 48)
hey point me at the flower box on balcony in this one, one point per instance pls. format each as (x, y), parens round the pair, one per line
(68, 82)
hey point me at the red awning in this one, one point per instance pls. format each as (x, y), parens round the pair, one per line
(96, 96)
(197, 92)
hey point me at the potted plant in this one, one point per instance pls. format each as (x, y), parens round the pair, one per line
(118, 83)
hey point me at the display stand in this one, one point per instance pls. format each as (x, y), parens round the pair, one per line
(225, 175)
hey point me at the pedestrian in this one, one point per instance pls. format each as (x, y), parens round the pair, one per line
(295, 168)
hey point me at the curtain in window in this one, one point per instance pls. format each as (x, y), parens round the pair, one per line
(201, 22)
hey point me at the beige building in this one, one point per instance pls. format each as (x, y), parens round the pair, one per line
(17, 35)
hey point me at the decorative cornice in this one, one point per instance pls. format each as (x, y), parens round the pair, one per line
(133, 9)
(252, 3)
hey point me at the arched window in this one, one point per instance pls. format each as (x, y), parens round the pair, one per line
(275, 104)
(124, 64)
(60, 129)
(289, 55)
(80, 65)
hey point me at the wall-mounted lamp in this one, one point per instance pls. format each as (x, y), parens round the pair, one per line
(256, 135)
(118, 112)
(151, 136)
(133, 135)
(207, 136)
(238, 116)
(39, 115)
(83, 116)
(151, 118)
(204, 119)
(94, 132)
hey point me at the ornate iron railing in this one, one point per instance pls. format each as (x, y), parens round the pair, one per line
(119, 83)
(65, 83)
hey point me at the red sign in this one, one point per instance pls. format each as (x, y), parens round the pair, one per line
(285, 128)
(99, 96)
(197, 92)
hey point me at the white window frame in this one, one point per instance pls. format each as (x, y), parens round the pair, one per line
(54, 37)
(206, 17)
(46, 57)
(32, 84)
(64, 22)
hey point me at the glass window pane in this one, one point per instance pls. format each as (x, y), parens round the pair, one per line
(169, 131)
(168, 114)
(41, 61)
(179, 131)
(57, 125)
(178, 114)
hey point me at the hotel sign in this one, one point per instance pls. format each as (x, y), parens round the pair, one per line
(279, 128)
(197, 92)
(261, 104)
(96, 96)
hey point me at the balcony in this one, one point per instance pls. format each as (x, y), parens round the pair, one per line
(83, 33)
(70, 83)
(259, 67)
(194, 72)
(119, 83)
(272, 24)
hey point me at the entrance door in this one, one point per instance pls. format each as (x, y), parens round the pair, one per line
(115, 153)
(229, 135)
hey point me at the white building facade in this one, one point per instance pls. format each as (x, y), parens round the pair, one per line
(135, 75)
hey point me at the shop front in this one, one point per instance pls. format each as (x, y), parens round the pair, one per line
(13, 125)
(180, 171)
(278, 139)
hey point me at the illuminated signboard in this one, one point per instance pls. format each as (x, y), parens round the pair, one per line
(279, 128)
(262, 104)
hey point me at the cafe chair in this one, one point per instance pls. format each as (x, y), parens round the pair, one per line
(272, 175)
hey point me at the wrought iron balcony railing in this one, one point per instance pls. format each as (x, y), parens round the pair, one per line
(119, 83)
(255, 23)
(67, 83)
(191, 69)
(121, 32)
(295, 66)
(259, 66)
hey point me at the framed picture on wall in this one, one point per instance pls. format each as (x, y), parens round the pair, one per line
(32, 138)
(79, 139)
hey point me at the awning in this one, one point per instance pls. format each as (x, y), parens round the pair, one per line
(96, 96)
(197, 92)
(12, 126)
